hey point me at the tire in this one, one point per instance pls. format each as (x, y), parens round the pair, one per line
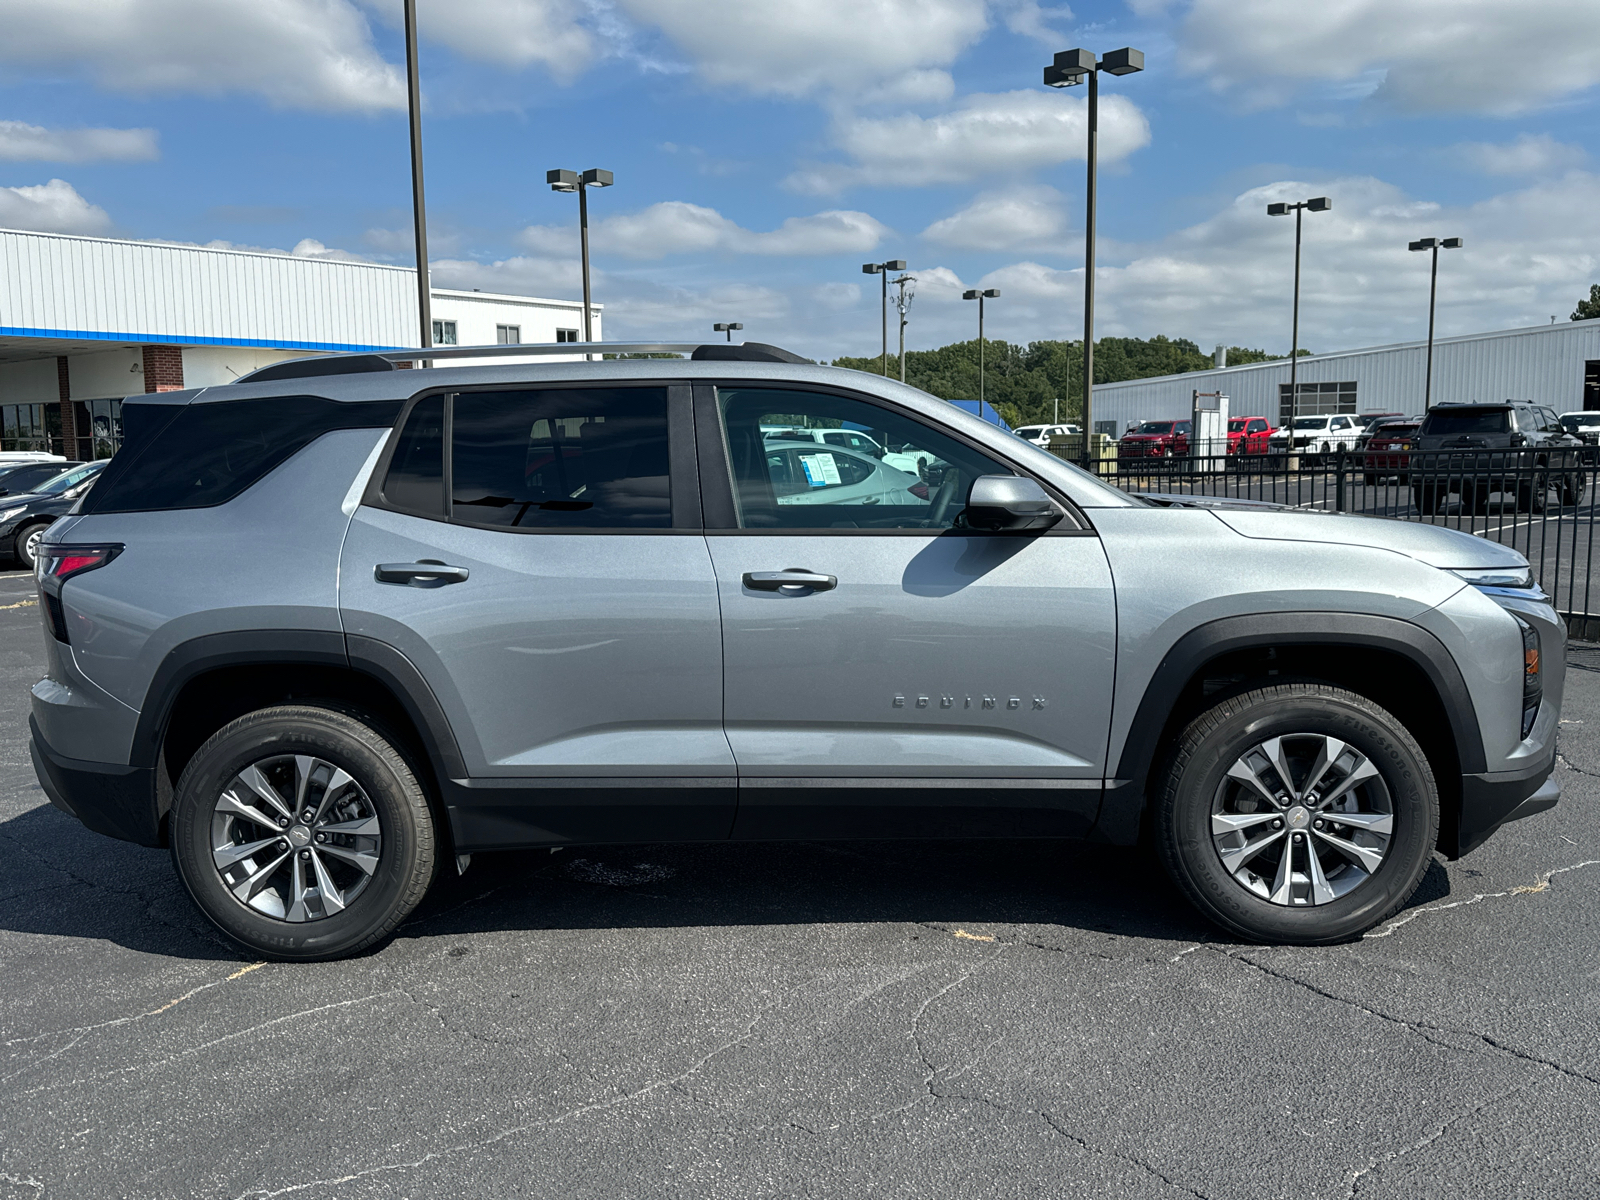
(27, 543)
(1349, 890)
(377, 857)
(1369, 479)
(1425, 498)
(1572, 489)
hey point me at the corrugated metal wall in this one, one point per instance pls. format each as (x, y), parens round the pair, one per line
(58, 286)
(1544, 364)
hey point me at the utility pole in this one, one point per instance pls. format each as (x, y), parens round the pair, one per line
(908, 291)
(419, 213)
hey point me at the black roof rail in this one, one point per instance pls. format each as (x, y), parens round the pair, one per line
(386, 360)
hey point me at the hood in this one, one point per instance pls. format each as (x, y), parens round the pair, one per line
(1432, 544)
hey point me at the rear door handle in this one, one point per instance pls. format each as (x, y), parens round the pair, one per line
(790, 580)
(426, 573)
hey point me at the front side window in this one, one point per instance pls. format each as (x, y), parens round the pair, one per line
(561, 458)
(906, 475)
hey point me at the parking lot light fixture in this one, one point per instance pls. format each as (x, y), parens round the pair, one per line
(1315, 204)
(883, 269)
(980, 297)
(1436, 245)
(1068, 69)
(571, 181)
(727, 327)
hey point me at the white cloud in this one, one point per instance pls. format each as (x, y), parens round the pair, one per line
(1486, 56)
(314, 54)
(1528, 253)
(21, 142)
(795, 49)
(53, 207)
(508, 33)
(1529, 154)
(523, 275)
(1009, 219)
(988, 135)
(676, 227)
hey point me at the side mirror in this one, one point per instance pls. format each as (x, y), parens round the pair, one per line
(1010, 504)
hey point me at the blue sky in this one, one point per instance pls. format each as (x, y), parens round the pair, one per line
(764, 151)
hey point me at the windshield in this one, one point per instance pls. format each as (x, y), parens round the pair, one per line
(1311, 422)
(71, 479)
(1155, 427)
(1236, 425)
(1447, 422)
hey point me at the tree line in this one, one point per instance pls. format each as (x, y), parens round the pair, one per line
(1024, 382)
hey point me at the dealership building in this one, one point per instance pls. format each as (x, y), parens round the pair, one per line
(86, 321)
(1556, 365)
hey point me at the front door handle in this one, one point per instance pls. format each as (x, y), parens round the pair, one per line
(791, 581)
(428, 573)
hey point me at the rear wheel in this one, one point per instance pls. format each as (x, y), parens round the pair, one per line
(1298, 813)
(302, 833)
(1572, 489)
(1426, 498)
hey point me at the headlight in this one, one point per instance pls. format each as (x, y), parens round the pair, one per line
(11, 512)
(1532, 678)
(1495, 577)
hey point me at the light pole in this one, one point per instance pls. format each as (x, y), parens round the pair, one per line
(727, 327)
(1072, 67)
(1434, 244)
(883, 268)
(419, 214)
(571, 181)
(908, 292)
(980, 297)
(1316, 204)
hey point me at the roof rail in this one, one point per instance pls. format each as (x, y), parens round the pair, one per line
(385, 360)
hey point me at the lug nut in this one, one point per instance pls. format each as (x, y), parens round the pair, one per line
(1317, 824)
(1299, 837)
(322, 837)
(307, 815)
(283, 822)
(283, 845)
(1277, 824)
(305, 856)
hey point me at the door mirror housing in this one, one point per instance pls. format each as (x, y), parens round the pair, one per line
(1010, 504)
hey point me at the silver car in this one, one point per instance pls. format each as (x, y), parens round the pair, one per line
(333, 628)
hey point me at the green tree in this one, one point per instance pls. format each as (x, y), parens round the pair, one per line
(1589, 309)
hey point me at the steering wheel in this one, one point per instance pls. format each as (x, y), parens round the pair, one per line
(942, 499)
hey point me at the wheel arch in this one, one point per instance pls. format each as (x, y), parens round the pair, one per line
(1394, 663)
(204, 683)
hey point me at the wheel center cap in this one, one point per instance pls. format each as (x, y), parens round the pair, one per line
(1298, 817)
(299, 835)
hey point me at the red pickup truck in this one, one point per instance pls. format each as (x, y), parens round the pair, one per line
(1155, 439)
(1248, 435)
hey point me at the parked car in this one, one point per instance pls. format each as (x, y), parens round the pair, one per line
(11, 457)
(1316, 435)
(1155, 439)
(902, 458)
(1454, 453)
(19, 478)
(1043, 435)
(1365, 421)
(328, 635)
(1249, 435)
(1583, 425)
(24, 518)
(1384, 447)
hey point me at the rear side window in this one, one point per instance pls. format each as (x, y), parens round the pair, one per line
(1450, 421)
(415, 481)
(576, 458)
(200, 455)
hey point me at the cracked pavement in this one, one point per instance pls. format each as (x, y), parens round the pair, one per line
(952, 1019)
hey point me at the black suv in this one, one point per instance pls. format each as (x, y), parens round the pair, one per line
(1512, 448)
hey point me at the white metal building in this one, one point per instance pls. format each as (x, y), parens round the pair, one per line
(85, 321)
(1556, 365)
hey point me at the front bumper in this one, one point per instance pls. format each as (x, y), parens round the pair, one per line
(117, 801)
(1495, 798)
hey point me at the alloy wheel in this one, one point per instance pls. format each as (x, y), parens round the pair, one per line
(1302, 819)
(295, 837)
(30, 544)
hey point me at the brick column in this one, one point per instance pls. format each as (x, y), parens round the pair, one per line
(163, 368)
(69, 432)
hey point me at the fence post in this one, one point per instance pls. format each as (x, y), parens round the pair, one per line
(1338, 480)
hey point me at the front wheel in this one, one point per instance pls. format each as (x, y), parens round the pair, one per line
(302, 833)
(27, 543)
(1298, 813)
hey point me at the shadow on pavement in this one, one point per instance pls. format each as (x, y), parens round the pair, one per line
(57, 879)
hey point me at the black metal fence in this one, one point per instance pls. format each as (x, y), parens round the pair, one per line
(1539, 501)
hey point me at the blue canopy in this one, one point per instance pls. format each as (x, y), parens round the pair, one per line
(988, 413)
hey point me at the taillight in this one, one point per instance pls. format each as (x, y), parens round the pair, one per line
(56, 565)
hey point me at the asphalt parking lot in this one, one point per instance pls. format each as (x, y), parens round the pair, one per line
(995, 1019)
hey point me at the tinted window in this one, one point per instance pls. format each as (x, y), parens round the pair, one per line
(70, 479)
(416, 472)
(921, 482)
(1258, 426)
(197, 455)
(579, 458)
(1447, 422)
(1155, 427)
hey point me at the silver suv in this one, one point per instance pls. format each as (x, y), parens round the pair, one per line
(337, 627)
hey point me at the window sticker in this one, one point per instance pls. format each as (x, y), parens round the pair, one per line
(821, 470)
